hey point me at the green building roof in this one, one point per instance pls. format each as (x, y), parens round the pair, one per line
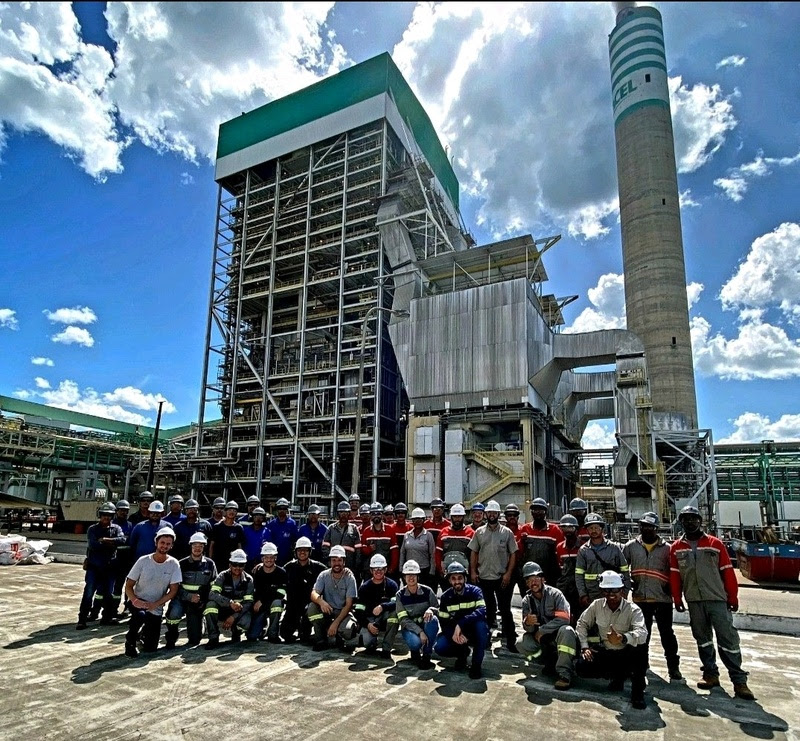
(353, 85)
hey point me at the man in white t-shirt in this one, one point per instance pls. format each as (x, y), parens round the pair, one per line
(152, 582)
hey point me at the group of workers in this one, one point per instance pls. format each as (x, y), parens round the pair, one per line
(442, 583)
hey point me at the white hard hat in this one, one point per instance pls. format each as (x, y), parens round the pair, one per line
(303, 543)
(165, 532)
(238, 556)
(198, 538)
(411, 567)
(338, 552)
(610, 580)
(493, 506)
(378, 561)
(156, 506)
(458, 509)
(269, 549)
(417, 512)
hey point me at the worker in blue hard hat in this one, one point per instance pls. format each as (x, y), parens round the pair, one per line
(477, 515)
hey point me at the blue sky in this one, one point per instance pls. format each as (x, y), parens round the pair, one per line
(108, 117)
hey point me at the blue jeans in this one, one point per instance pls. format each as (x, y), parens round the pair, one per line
(477, 637)
(431, 630)
(102, 582)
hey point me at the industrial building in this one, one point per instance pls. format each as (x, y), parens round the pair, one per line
(358, 340)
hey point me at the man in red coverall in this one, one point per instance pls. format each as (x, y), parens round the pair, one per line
(701, 570)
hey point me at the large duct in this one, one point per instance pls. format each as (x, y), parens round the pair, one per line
(652, 245)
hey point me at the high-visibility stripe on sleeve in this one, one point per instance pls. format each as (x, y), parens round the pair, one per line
(211, 610)
(359, 607)
(247, 598)
(192, 587)
(313, 618)
(216, 588)
(402, 614)
(277, 608)
(566, 650)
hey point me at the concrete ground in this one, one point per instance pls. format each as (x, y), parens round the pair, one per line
(60, 683)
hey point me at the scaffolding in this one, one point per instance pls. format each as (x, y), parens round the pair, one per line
(299, 268)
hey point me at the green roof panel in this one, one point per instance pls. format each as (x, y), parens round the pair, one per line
(350, 86)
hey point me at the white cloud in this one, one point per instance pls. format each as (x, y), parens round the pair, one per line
(75, 315)
(734, 60)
(761, 350)
(752, 427)
(133, 397)
(607, 310)
(53, 83)
(186, 179)
(702, 117)
(43, 361)
(693, 291)
(177, 74)
(41, 383)
(770, 274)
(74, 336)
(111, 405)
(737, 182)
(8, 319)
(521, 93)
(686, 200)
(608, 306)
(599, 435)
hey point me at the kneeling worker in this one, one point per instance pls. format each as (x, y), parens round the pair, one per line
(462, 614)
(332, 598)
(548, 633)
(198, 572)
(269, 595)
(621, 649)
(416, 606)
(375, 609)
(231, 599)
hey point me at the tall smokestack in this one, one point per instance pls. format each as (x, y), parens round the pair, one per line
(652, 245)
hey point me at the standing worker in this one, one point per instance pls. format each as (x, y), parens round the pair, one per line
(314, 530)
(143, 535)
(491, 565)
(175, 514)
(453, 544)
(580, 511)
(123, 559)
(648, 558)
(701, 571)
(104, 537)
(345, 534)
(255, 535)
(143, 512)
(198, 574)
(594, 557)
(538, 540)
(187, 527)
(217, 511)
(283, 531)
(252, 503)
(567, 552)
(437, 521)
(226, 537)
(478, 515)
(419, 546)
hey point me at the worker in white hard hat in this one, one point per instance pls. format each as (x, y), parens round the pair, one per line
(198, 573)
(613, 639)
(420, 545)
(417, 607)
(453, 543)
(492, 559)
(269, 595)
(301, 574)
(227, 536)
(151, 583)
(331, 610)
(230, 601)
(374, 608)
(344, 532)
(142, 540)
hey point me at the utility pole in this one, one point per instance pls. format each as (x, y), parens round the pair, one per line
(150, 471)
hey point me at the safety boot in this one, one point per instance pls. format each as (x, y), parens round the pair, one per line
(563, 683)
(743, 692)
(709, 681)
